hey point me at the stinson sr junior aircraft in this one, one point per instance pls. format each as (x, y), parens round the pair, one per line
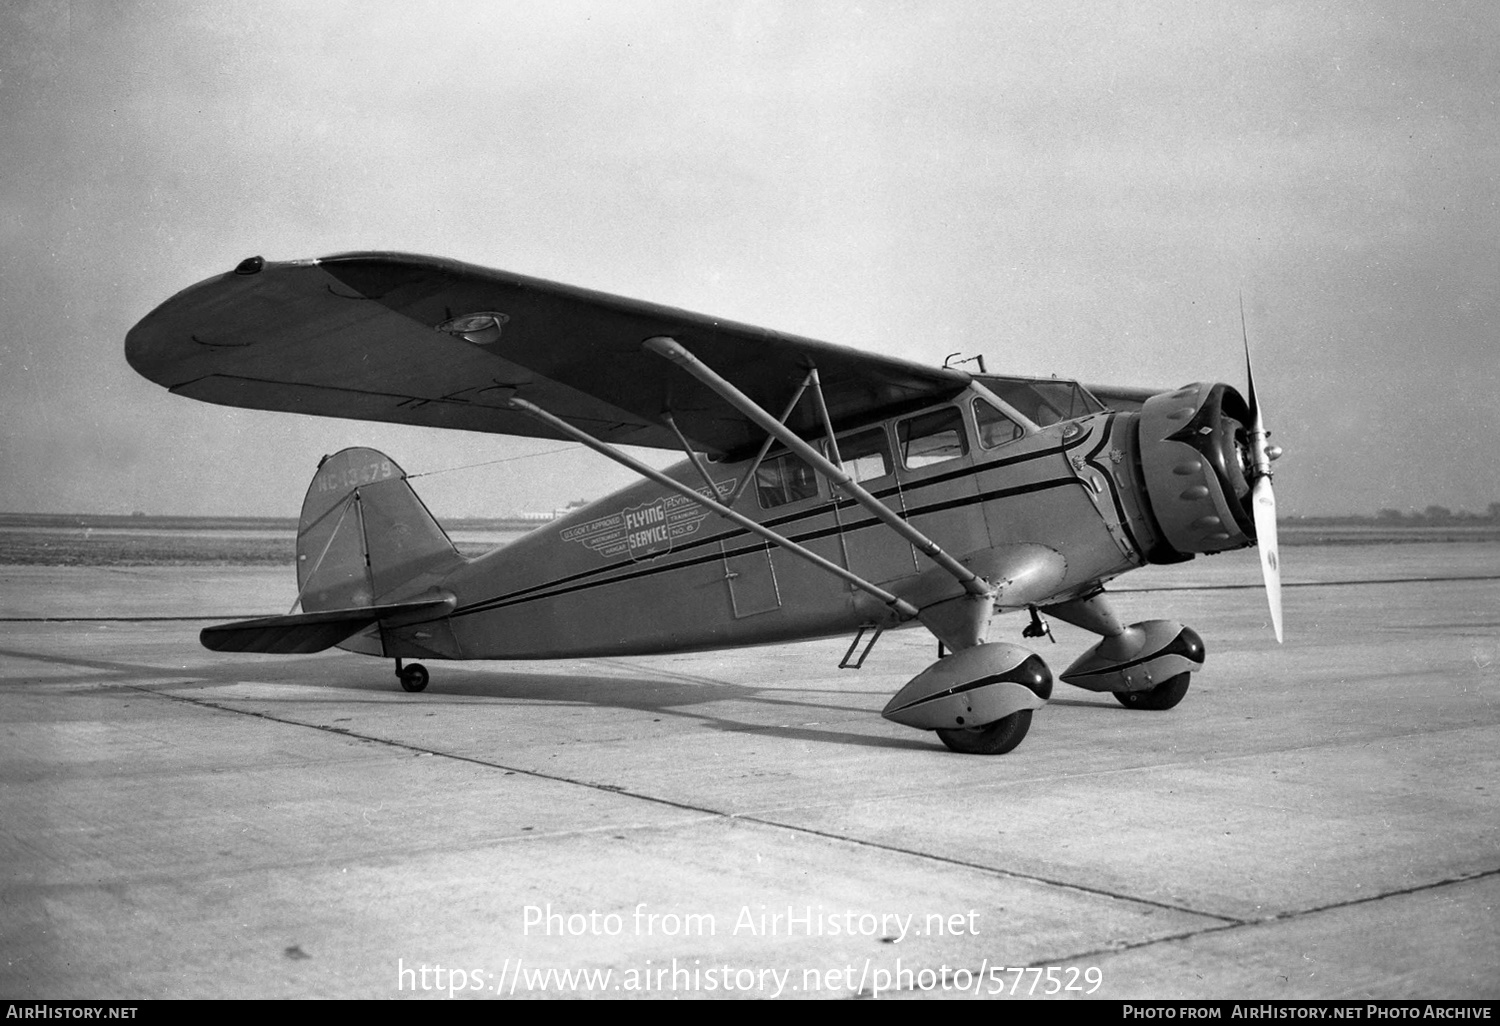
(824, 492)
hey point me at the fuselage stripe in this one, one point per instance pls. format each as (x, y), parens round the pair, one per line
(1174, 647)
(822, 509)
(957, 689)
(537, 593)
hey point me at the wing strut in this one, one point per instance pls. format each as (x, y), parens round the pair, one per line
(672, 350)
(765, 446)
(903, 609)
(692, 455)
(833, 443)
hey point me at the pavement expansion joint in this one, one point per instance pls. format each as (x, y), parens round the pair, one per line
(705, 810)
(1460, 878)
(344, 732)
(1145, 767)
(1009, 874)
(1218, 921)
(1280, 917)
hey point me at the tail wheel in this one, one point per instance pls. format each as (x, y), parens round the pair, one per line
(413, 677)
(1165, 695)
(991, 739)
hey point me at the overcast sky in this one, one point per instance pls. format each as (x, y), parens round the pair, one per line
(1071, 188)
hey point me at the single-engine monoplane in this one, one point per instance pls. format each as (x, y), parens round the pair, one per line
(824, 491)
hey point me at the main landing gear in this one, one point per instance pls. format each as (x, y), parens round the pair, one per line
(413, 677)
(1146, 665)
(979, 700)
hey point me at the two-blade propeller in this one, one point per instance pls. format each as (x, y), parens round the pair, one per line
(1262, 498)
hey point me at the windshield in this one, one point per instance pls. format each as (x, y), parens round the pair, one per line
(1044, 400)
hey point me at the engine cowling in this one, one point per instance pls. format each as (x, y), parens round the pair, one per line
(1195, 457)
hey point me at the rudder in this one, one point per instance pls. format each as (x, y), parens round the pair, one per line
(364, 536)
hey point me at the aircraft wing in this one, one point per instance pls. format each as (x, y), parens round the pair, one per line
(431, 342)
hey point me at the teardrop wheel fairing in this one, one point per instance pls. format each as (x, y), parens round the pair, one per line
(979, 700)
(991, 739)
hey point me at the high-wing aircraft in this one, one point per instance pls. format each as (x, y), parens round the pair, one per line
(824, 491)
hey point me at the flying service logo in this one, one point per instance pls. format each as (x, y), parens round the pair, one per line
(647, 530)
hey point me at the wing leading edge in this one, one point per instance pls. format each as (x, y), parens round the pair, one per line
(437, 343)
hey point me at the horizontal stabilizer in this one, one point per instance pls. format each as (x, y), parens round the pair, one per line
(303, 633)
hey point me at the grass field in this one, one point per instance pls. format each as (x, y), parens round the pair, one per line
(91, 540)
(87, 540)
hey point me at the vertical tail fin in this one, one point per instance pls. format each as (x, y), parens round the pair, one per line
(364, 537)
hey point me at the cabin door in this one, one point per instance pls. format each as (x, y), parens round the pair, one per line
(751, 578)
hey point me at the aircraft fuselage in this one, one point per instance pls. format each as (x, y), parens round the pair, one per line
(648, 571)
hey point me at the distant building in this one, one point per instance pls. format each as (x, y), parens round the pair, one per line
(558, 513)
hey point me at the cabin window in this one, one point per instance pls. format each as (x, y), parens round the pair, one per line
(783, 479)
(865, 454)
(932, 438)
(995, 428)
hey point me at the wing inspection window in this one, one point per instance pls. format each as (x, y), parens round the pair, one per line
(931, 438)
(995, 428)
(866, 454)
(783, 479)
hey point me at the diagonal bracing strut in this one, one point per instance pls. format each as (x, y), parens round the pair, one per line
(765, 446)
(672, 350)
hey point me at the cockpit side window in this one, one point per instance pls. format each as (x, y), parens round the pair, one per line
(783, 479)
(995, 428)
(930, 438)
(866, 454)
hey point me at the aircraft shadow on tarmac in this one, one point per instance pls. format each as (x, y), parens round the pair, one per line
(637, 688)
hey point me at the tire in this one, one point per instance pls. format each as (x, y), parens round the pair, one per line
(992, 739)
(414, 677)
(1160, 698)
